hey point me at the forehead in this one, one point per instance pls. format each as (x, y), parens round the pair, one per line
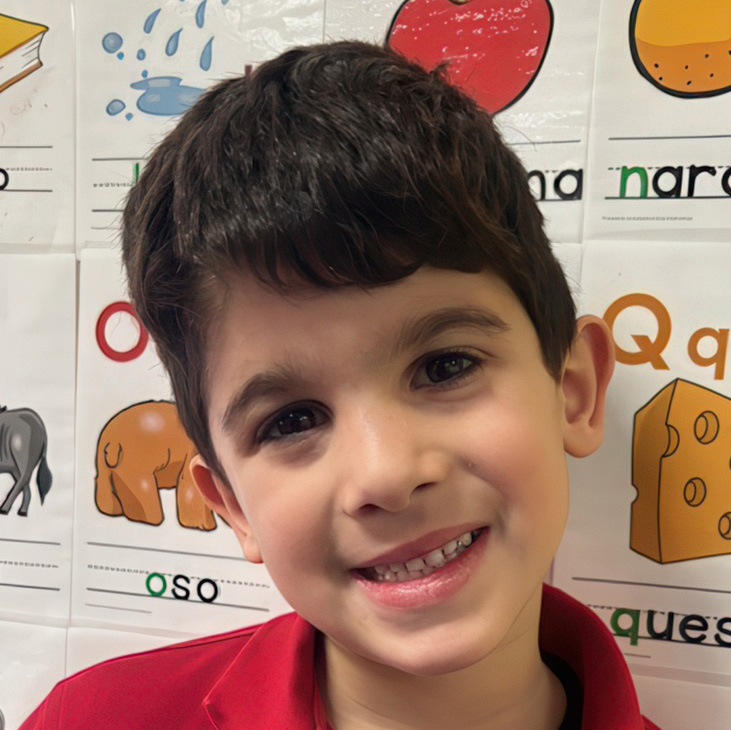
(250, 312)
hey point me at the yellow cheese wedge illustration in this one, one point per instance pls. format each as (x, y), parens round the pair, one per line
(682, 47)
(681, 468)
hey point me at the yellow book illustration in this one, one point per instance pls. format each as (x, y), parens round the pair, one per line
(20, 45)
(681, 470)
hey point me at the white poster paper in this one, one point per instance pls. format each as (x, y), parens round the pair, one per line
(148, 553)
(37, 123)
(37, 371)
(86, 646)
(675, 704)
(648, 543)
(660, 141)
(141, 63)
(33, 660)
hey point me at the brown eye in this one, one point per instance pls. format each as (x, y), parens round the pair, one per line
(293, 421)
(446, 368)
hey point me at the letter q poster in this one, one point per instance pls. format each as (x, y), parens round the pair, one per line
(648, 544)
(148, 553)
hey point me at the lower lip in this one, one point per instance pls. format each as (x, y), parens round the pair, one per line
(431, 589)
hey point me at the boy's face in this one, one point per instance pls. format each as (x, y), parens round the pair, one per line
(361, 430)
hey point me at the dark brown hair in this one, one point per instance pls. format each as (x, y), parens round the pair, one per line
(332, 165)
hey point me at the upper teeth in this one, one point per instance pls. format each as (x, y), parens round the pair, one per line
(423, 565)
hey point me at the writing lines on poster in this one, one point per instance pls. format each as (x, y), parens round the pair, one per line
(553, 183)
(26, 168)
(637, 624)
(166, 587)
(111, 179)
(556, 175)
(669, 181)
(31, 571)
(662, 181)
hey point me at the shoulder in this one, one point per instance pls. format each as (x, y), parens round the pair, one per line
(153, 688)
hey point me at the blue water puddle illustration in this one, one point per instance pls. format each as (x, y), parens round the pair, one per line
(165, 95)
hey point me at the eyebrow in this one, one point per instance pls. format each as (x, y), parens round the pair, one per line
(423, 329)
(262, 385)
(414, 333)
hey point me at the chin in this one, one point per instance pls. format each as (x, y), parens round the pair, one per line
(422, 656)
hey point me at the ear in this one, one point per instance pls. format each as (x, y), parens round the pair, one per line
(220, 497)
(587, 371)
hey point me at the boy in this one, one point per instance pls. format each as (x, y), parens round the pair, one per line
(376, 354)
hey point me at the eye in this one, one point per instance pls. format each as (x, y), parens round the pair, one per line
(446, 368)
(291, 422)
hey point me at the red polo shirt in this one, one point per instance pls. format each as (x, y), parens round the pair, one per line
(263, 678)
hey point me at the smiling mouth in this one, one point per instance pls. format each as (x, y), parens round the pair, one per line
(423, 565)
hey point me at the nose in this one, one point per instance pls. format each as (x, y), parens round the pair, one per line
(389, 454)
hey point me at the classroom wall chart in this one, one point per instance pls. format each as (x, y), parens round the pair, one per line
(619, 110)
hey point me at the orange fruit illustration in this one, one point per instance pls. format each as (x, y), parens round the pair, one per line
(683, 47)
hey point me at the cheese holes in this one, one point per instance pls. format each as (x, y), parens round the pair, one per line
(695, 492)
(724, 526)
(706, 427)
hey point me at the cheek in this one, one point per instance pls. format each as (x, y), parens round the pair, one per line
(287, 524)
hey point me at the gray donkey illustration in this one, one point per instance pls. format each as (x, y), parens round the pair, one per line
(23, 445)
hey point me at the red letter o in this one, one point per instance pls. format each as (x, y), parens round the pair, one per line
(101, 338)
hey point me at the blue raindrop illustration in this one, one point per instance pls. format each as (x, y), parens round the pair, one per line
(150, 22)
(165, 96)
(141, 55)
(171, 47)
(128, 116)
(224, 2)
(115, 106)
(112, 42)
(120, 55)
(207, 55)
(144, 74)
(200, 14)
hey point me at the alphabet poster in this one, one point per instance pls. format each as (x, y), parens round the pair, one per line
(37, 370)
(37, 152)
(649, 540)
(620, 113)
(660, 136)
(530, 64)
(148, 553)
(142, 63)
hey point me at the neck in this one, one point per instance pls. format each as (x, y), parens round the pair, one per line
(509, 689)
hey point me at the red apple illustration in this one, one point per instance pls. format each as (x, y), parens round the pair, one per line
(493, 50)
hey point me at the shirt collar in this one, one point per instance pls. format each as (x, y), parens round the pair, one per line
(577, 635)
(271, 684)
